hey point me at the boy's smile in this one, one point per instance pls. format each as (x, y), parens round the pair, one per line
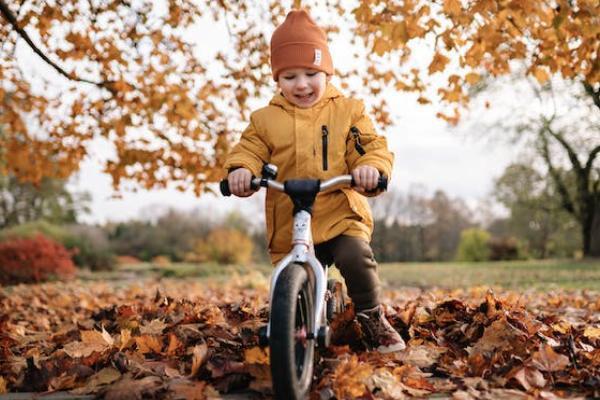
(303, 87)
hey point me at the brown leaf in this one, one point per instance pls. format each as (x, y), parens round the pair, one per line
(199, 353)
(421, 356)
(130, 389)
(546, 359)
(95, 382)
(154, 327)
(148, 344)
(186, 389)
(174, 344)
(528, 378)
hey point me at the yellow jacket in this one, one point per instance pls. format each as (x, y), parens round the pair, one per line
(319, 143)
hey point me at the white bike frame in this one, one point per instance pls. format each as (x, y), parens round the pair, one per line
(303, 253)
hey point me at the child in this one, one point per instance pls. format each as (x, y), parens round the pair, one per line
(310, 130)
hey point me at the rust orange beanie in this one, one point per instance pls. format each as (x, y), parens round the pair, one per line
(299, 43)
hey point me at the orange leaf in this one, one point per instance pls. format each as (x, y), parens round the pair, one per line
(541, 75)
(438, 63)
(452, 7)
(148, 344)
(256, 355)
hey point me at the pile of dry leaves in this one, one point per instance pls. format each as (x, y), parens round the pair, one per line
(195, 340)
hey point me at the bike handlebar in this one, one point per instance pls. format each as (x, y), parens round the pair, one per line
(256, 183)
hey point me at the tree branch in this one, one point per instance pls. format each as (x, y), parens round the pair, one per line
(590, 161)
(562, 189)
(595, 94)
(560, 139)
(10, 17)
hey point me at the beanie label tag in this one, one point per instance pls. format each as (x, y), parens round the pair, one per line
(317, 60)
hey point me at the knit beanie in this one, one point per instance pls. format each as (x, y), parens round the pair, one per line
(299, 43)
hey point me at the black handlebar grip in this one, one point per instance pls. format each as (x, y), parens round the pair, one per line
(224, 187)
(383, 182)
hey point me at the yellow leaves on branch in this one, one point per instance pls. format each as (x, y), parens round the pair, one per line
(171, 84)
(438, 63)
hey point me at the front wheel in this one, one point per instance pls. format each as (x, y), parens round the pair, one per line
(291, 343)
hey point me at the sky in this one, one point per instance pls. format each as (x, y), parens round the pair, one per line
(427, 152)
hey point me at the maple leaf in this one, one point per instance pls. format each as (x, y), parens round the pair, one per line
(148, 343)
(155, 327)
(350, 377)
(546, 359)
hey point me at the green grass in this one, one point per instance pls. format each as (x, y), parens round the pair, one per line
(541, 275)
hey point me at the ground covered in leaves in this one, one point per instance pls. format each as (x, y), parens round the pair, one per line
(177, 339)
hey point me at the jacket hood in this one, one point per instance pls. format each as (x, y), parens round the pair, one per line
(331, 92)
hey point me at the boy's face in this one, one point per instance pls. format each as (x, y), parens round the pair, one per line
(302, 87)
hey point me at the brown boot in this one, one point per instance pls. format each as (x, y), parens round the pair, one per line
(378, 332)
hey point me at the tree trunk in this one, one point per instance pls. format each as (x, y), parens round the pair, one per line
(594, 234)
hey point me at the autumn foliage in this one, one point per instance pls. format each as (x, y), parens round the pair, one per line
(189, 339)
(225, 246)
(36, 259)
(134, 78)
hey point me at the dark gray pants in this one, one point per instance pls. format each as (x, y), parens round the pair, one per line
(354, 258)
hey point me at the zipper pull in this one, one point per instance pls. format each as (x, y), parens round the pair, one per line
(324, 139)
(356, 136)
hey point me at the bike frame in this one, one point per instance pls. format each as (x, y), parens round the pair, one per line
(303, 252)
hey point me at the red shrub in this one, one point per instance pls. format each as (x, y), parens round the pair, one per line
(34, 259)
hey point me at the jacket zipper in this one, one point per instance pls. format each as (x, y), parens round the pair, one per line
(324, 139)
(356, 136)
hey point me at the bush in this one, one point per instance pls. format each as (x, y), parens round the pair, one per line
(33, 229)
(161, 261)
(473, 245)
(90, 247)
(89, 244)
(225, 246)
(504, 248)
(25, 260)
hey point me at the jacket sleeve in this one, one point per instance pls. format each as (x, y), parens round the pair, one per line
(376, 153)
(251, 152)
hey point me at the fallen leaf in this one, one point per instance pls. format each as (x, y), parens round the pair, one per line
(147, 344)
(256, 355)
(592, 332)
(546, 359)
(199, 353)
(134, 389)
(154, 327)
(421, 356)
(95, 382)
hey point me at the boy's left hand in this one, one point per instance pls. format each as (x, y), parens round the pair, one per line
(365, 178)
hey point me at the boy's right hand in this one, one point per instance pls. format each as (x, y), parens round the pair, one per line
(239, 182)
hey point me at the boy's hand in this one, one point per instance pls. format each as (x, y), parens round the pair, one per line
(239, 182)
(365, 178)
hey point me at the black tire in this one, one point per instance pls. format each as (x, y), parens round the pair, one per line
(291, 319)
(337, 301)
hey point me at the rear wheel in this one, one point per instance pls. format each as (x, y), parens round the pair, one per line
(291, 343)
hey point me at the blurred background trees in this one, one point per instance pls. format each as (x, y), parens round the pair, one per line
(130, 74)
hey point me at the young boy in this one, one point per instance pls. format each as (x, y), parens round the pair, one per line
(309, 130)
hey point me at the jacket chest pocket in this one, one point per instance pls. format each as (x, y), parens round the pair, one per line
(332, 151)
